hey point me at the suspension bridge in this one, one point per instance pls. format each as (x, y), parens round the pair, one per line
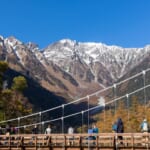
(24, 140)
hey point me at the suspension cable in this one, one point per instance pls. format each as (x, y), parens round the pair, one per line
(82, 113)
(144, 83)
(80, 99)
(115, 95)
(90, 109)
(127, 98)
(62, 119)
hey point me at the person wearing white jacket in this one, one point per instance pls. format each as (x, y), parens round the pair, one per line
(48, 130)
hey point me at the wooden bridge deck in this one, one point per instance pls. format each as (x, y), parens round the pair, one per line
(101, 141)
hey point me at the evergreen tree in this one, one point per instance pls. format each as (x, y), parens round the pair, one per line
(19, 84)
(12, 102)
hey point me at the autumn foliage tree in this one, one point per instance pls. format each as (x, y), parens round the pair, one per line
(132, 116)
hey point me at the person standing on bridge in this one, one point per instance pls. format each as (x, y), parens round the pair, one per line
(95, 129)
(120, 129)
(114, 127)
(70, 130)
(1, 130)
(145, 129)
(144, 126)
(48, 130)
(71, 138)
(35, 130)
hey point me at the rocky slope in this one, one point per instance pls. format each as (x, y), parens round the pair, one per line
(95, 61)
(71, 68)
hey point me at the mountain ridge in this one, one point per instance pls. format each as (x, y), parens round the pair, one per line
(68, 66)
(92, 53)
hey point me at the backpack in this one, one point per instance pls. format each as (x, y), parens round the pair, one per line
(95, 130)
(145, 126)
(114, 127)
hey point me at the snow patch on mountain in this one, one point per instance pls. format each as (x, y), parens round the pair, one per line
(12, 41)
(32, 46)
(114, 58)
(86, 60)
(1, 38)
(1, 41)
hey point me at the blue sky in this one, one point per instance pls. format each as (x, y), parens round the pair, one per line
(114, 22)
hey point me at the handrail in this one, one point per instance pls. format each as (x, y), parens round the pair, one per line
(101, 140)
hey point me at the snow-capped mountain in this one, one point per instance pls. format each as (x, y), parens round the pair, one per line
(98, 59)
(29, 60)
(72, 67)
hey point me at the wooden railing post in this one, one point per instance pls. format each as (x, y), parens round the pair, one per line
(65, 142)
(132, 141)
(80, 143)
(22, 143)
(9, 141)
(114, 141)
(50, 142)
(36, 142)
(97, 137)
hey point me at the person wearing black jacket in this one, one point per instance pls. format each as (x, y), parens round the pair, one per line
(120, 128)
(35, 130)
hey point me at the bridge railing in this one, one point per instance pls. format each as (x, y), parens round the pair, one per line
(101, 140)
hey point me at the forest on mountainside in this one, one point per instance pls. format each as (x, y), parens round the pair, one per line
(12, 101)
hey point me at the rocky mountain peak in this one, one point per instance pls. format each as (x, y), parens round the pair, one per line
(1, 38)
(67, 41)
(1, 41)
(32, 46)
(12, 41)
